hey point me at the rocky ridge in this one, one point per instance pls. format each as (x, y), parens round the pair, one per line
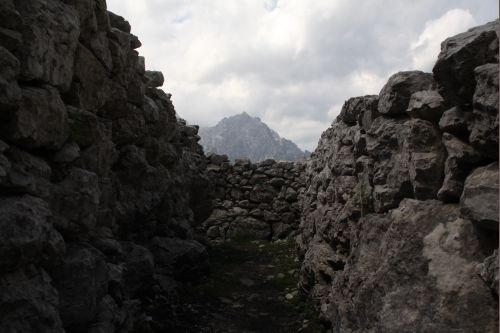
(100, 182)
(243, 136)
(253, 200)
(399, 222)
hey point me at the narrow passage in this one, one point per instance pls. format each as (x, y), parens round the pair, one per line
(252, 287)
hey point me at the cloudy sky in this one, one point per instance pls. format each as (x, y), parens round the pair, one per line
(292, 63)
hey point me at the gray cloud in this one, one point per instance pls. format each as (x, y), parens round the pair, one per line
(290, 62)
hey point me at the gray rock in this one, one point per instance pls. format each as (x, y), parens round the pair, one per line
(50, 32)
(119, 22)
(75, 203)
(41, 120)
(27, 234)
(375, 260)
(290, 195)
(10, 39)
(461, 158)
(155, 79)
(185, 259)
(9, 16)
(138, 268)
(68, 153)
(81, 281)
(454, 121)
(479, 200)
(488, 270)
(248, 227)
(32, 301)
(10, 93)
(459, 56)
(484, 125)
(427, 104)
(396, 94)
(28, 174)
(436, 252)
(355, 108)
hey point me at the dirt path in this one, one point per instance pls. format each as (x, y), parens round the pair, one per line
(251, 288)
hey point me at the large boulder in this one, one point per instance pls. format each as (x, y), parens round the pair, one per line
(27, 235)
(182, 259)
(50, 31)
(82, 281)
(461, 158)
(138, 268)
(355, 107)
(75, 203)
(421, 248)
(479, 201)
(396, 93)
(10, 93)
(28, 174)
(484, 123)
(41, 120)
(459, 56)
(455, 121)
(488, 270)
(29, 302)
(426, 104)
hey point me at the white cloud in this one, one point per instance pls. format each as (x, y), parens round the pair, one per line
(290, 62)
(426, 48)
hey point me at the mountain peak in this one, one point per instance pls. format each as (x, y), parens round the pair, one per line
(245, 136)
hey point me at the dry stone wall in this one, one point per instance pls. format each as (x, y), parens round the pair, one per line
(253, 200)
(100, 182)
(399, 222)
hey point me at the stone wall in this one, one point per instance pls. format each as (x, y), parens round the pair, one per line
(100, 182)
(253, 200)
(399, 225)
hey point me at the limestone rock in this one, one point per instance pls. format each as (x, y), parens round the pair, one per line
(41, 120)
(27, 234)
(396, 94)
(75, 202)
(427, 104)
(488, 270)
(155, 79)
(31, 302)
(484, 124)
(479, 201)
(354, 108)
(10, 93)
(454, 121)
(379, 253)
(461, 158)
(28, 174)
(81, 281)
(119, 22)
(138, 268)
(185, 259)
(459, 56)
(50, 32)
(436, 258)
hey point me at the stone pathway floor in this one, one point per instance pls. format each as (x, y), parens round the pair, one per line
(252, 287)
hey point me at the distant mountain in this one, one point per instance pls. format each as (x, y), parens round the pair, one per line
(243, 136)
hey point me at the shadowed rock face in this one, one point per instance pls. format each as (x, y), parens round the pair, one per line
(100, 182)
(242, 136)
(399, 222)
